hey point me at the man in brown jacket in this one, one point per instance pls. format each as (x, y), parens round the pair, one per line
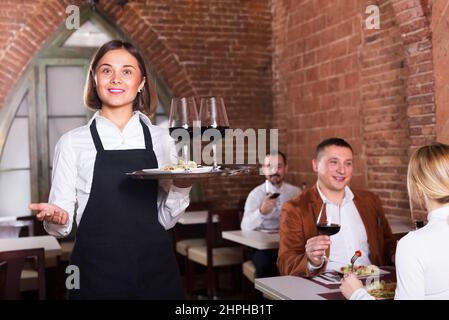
(363, 223)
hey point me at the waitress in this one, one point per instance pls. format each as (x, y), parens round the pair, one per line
(122, 249)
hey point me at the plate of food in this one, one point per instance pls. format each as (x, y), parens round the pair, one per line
(177, 171)
(362, 271)
(179, 168)
(382, 290)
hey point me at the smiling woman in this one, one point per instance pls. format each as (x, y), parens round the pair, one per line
(118, 68)
(121, 248)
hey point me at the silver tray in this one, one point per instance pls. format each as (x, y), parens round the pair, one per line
(224, 171)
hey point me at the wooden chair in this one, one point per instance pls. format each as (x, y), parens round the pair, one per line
(15, 262)
(218, 252)
(186, 236)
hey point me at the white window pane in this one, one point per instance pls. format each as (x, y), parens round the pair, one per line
(15, 194)
(57, 127)
(65, 85)
(16, 153)
(89, 34)
(23, 108)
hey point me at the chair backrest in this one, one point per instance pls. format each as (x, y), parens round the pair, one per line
(36, 226)
(15, 263)
(228, 219)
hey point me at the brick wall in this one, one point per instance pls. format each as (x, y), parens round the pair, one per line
(383, 101)
(196, 47)
(440, 45)
(334, 77)
(317, 80)
(330, 76)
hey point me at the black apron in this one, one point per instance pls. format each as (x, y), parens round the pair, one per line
(121, 249)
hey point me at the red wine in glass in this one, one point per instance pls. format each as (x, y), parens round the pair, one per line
(221, 129)
(189, 131)
(328, 230)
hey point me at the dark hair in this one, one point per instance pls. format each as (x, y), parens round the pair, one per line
(145, 101)
(331, 142)
(283, 155)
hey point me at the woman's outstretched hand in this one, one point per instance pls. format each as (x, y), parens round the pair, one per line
(50, 213)
(349, 284)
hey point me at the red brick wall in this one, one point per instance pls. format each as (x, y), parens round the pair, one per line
(413, 18)
(333, 77)
(196, 47)
(383, 101)
(317, 79)
(329, 77)
(440, 44)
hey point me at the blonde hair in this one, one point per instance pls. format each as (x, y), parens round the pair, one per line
(428, 175)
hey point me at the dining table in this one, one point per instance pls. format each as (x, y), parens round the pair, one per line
(321, 287)
(257, 239)
(50, 244)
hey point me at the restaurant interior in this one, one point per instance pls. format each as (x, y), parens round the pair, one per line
(372, 72)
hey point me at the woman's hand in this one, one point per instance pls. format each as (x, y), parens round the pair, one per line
(50, 213)
(349, 284)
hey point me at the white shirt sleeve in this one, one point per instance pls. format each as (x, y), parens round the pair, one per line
(172, 201)
(409, 270)
(361, 294)
(252, 218)
(63, 192)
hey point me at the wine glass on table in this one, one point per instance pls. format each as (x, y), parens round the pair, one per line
(328, 224)
(183, 114)
(213, 116)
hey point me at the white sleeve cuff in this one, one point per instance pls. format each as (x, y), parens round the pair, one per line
(361, 294)
(312, 268)
(58, 230)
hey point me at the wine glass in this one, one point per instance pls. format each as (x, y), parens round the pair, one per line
(213, 116)
(183, 114)
(328, 224)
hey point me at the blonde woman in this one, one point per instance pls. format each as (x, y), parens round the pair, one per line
(422, 256)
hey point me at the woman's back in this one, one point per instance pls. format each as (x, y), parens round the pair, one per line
(422, 260)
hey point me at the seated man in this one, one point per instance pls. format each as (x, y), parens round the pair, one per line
(263, 206)
(363, 223)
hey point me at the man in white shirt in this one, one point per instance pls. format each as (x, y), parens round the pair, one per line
(263, 207)
(363, 225)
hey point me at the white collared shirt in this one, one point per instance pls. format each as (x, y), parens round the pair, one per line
(73, 168)
(253, 219)
(422, 262)
(352, 235)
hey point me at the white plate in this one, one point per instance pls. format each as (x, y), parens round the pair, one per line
(196, 170)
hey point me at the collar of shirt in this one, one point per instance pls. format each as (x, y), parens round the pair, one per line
(439, 214)
(113, 138)
(136, 114)
(270, 188)
(349, 196)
